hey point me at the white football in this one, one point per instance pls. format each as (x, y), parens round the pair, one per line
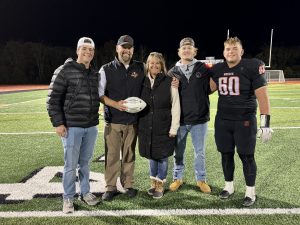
(134, 104)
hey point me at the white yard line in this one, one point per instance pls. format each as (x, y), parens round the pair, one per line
(154, 212)
(286, 107)
(100, 131)
(45, 112)
(284, 128)
(32, 133)
(27, 133)
(23, 102)
(21, 113)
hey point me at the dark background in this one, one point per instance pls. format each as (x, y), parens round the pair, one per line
(154, 25)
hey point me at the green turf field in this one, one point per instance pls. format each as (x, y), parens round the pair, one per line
(27, 143)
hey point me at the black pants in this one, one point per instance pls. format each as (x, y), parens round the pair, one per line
(249, 167)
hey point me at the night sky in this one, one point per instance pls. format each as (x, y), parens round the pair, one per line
(158, 25)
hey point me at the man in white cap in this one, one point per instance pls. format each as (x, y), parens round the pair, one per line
(73, 105)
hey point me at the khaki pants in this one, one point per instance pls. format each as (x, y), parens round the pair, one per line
(119, 137)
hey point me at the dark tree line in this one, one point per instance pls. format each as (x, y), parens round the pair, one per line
(34, 63)
(283, 58)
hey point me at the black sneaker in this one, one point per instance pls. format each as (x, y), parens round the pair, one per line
(248, 201)
(109, 195)
(224, 194)
(131, 192)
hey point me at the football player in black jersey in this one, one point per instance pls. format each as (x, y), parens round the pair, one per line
(240, 82)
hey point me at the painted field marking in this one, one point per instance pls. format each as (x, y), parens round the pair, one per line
(154, 212)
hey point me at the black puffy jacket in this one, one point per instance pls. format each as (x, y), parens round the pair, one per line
(73, 98)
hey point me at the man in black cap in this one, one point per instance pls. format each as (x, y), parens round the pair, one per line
(120, 79)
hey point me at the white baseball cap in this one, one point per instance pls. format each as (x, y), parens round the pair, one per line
(85, 41)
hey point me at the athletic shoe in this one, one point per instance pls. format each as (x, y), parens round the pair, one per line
(68, 206)
(89, 199)
(224, 194)
(131, 192)
(109, 195)
(248, 201)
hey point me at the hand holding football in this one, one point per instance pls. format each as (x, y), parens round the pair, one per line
(134, 104)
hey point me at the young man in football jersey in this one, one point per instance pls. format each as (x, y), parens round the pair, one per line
(240, 82)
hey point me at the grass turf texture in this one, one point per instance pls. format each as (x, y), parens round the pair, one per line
(278, 183)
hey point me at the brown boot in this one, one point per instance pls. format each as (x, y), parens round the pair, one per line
(175, 185)
(153, 187)
(159, 190)
(203, 187)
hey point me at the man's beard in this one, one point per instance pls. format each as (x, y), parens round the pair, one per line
(126, 58)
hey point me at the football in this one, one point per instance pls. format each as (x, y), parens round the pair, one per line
(134, 104)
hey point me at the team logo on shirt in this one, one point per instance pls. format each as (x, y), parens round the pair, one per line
(198, 75)
(134, 74)
(261, 69)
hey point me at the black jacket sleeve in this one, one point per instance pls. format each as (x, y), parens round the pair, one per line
(56, 98)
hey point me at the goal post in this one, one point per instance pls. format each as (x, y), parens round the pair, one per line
(276, 76)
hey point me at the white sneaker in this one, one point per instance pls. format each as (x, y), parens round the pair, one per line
(227, 191)
(68, 206)
(90, 199)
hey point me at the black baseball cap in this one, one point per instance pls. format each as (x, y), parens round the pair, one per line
(125, 40)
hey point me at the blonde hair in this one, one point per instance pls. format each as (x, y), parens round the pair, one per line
(233, 41)
(161, 59)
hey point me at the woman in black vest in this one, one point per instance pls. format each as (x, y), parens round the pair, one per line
(158, 122)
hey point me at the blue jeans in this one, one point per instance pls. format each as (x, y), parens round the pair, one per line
(198, 134)
(78, 151)
(159, 168)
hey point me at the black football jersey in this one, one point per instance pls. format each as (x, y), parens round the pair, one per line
(236, 86)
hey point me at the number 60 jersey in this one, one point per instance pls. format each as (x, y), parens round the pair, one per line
(236, 88)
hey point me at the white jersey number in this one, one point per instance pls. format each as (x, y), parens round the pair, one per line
(229, 85)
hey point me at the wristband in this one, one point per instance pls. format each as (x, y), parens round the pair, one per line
(265, 120)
